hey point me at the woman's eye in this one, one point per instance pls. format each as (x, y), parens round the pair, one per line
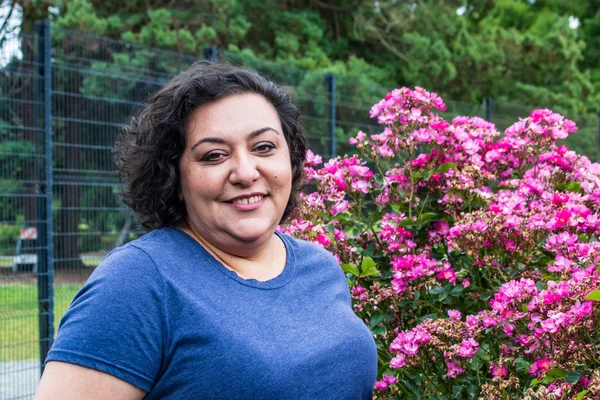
(213, 156)
(264, 147)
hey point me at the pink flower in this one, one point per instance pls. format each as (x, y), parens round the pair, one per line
(360, 185)
(559, 199)
(562, 218)
(390, 379)
(499, 371)
(468, 348)
(453, 369)
(323, 239)
(541, 365)
(381, 385)
(447, 274)
(312, 159)
(454, 314)
(339, 207)
(410, 348)
(440, 125)
(385, 151)
(358, 289)
(509, 329)
(488, 322)
(398, 361)
(492, 156)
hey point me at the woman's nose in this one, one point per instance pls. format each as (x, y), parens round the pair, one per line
(244, 170)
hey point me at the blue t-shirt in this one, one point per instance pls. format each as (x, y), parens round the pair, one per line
(162, 314)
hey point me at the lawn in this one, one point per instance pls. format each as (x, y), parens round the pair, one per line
(19, 319)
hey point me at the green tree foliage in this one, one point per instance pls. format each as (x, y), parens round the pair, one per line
(521, 51)
(514, 51)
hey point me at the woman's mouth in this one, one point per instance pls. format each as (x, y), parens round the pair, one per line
(248, 200)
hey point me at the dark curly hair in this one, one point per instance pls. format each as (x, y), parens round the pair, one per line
(148, 150)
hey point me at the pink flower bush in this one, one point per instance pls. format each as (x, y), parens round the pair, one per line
(471, 255)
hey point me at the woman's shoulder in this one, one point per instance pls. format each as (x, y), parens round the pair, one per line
(304, 250)
(149, 245)
(140, 256)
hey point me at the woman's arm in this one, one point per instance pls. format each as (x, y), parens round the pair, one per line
(64, 381)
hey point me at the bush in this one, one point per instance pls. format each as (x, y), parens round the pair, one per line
(474, 259)
(9, 235)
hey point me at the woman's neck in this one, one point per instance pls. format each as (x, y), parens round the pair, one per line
(263, 264)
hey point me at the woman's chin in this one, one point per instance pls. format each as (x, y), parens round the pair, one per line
(252, 233)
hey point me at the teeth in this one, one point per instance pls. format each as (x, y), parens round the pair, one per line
(248, 200)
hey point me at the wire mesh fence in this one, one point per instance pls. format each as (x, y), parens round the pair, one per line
(22, 219)
(61, 107)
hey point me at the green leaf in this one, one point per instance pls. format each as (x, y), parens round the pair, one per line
(368, 267)
(351, 268)
(330, 228)
(573, 377)
(379, 330)
(521, 364)
(573, 186)
(416, 175)
(594, 295)
(407, 222)
(481, 353)
(376, 319)
(445, 299)
(411, 385)
(581, 394)
(553, 375)
(343, 217)
(456, 390)
(544, 260)
(476, 363)
(549, 277)
(446, 167)
(535, 382)
(473, 391)
(457, 290)
(428, 174)
(598, 268)
(436, 290)
(426, 217)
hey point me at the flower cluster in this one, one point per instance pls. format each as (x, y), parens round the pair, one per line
(474, 257)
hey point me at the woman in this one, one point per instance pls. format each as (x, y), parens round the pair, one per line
(213, 303)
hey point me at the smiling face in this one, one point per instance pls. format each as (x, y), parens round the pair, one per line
(236, 173)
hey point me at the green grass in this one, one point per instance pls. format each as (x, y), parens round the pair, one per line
(19, 318)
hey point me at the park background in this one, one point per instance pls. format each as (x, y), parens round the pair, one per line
(68, 84)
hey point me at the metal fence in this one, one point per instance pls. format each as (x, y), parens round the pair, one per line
(63, 97)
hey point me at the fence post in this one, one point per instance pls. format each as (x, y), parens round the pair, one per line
(45, 252)
(210, 53)
(331, 87)
(487, 102)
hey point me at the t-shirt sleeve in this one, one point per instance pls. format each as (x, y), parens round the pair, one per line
(116, 322)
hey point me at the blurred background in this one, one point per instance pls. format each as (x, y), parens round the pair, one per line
(73, 71)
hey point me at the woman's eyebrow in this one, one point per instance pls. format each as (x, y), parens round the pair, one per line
(219, 140)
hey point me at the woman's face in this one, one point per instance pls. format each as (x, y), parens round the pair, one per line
(236, 173)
